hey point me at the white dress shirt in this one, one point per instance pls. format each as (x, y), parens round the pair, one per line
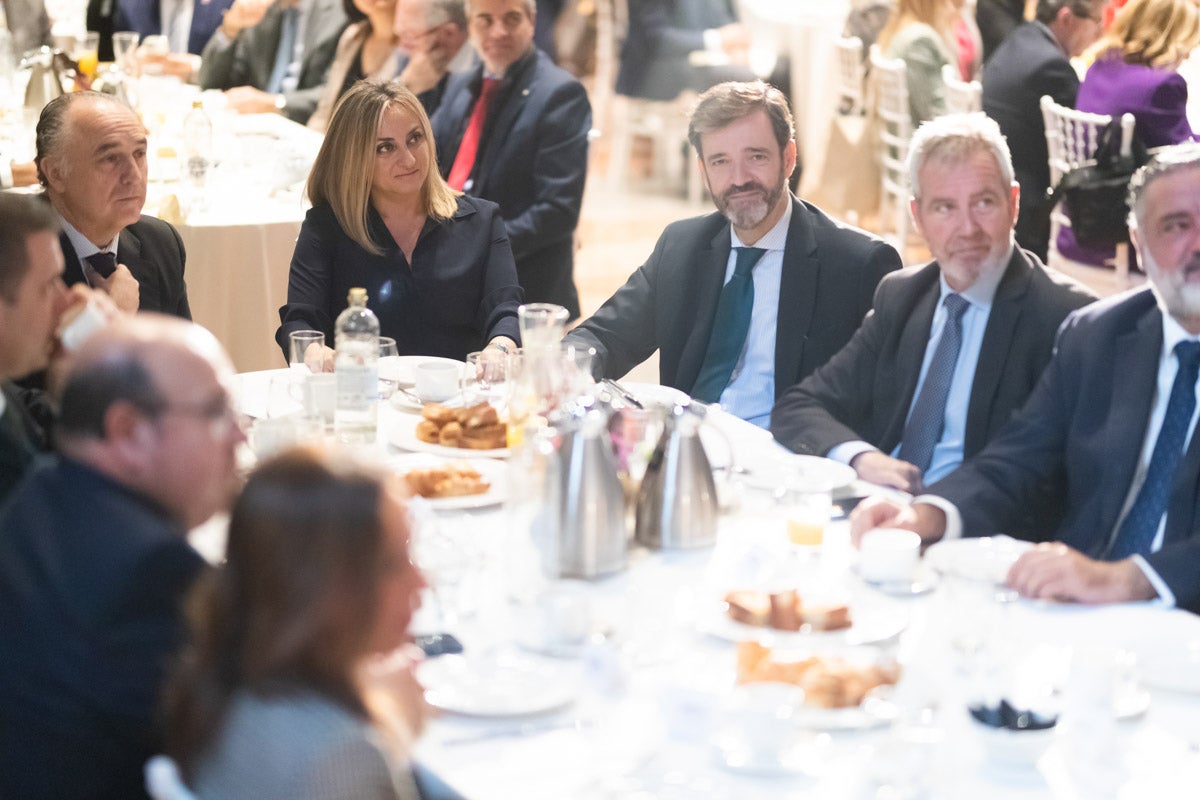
(84, 248)
(750, 394)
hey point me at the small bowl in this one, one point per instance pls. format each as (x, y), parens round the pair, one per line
(1014, 747)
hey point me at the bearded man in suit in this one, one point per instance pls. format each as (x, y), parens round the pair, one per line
(746, 301)
(91, 159)
(1109, 431)
(879, 404)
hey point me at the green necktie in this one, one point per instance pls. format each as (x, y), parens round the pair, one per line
(730, 325)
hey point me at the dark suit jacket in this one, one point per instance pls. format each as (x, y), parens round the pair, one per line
(92, 578)
(460, 291)
(1027, 65)
(1082, 432)
(865, 391)
(249, 59)
(144, 16)
(154, 254)
(996, 20)
(532, 161)
(662, 34)
(830, 272)
(20, 441)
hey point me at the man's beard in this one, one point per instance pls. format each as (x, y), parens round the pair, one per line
(1182, 299)
(749, 215)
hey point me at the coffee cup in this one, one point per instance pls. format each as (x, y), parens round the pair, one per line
(435, 381)
(888, 555)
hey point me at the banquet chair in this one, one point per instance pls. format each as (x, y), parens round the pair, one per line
(851, 75)
(890, 88)
(961, 96)
(163, 781)
(1071, 139)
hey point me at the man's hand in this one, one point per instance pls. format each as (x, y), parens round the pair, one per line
(122, 287)
(425, 68)
(243, 14)
(879, 512)
(248, 100)
(879, 468)
(735, 40)
(1053, 571)
(181, 65)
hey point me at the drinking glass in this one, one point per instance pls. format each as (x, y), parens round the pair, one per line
(124, 45)
(389, 367)
(577, 370)
(86, 52)
(298, 344)
(541, 325)
(484, 379)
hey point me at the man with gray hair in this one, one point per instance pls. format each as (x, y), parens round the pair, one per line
(94, 560)
(434, 34)
(1108, 431)
(952, 348)
(745, 302)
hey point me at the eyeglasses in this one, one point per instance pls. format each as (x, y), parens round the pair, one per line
(219, 415)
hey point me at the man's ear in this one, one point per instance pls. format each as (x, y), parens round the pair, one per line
(129, 432)
(52, 170)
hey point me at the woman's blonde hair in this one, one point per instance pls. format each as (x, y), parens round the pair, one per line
(937, 14)
(344, 170)
(1153, 33)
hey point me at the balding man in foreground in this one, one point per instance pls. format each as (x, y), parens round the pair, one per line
(94, 562)
(1108, 430)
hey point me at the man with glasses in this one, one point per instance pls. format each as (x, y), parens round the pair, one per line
(94, 560)
(1033, 61)
(434, 34)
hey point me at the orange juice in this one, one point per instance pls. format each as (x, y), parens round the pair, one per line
(805, 531)
(88, 63)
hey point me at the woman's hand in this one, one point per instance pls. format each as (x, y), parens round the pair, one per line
(395, 693)
(319, 358)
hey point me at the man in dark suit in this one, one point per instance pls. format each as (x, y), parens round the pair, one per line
(94, 560)
(273, 57)
(727, 331)
(514, 131)
(862, 407)
(91, 159)
(1031, 62)
(1109, 429)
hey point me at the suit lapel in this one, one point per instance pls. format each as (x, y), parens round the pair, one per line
(72, 270)
(910, 353)
(1134, 371)
(709, 277)
(129, 250)
(797, 294)
(993, 351)
(503, 115)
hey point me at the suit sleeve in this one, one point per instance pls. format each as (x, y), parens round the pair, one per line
(182, 307)
(623, 329)
(501, 291)
(652, 19)
(1061, 83)
(1179, 566)
(217, 62)
(827, 407)
(559, 169)
(310, 281)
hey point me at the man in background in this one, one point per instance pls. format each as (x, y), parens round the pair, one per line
(747, 301)
(514, 130)
(434, 33)
(94, 560)
(1034, 61)
(91, 159)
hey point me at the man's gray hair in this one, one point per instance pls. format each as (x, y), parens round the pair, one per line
(443, 11)
(52, 128)
(1165, 161)
(952, 138)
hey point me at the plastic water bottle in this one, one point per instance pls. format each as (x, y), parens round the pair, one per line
(356, 366)
(197, 145)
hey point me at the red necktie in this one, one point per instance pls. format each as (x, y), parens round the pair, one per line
(465, 160)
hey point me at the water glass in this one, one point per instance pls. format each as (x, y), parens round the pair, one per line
(299, 359)
(577, 370)
(541, 325)
(124, 45)
(484, 378)
(389, 367)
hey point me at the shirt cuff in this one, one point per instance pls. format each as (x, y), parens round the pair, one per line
(6, 176)
(222, 41)
(845, 452)
(953, 517)
(1165, 596)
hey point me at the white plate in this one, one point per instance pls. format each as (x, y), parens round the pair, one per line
(789, 470)
(507, 685)
(868, 626)
(1171, 665)
(405, 367)
(923, 581)
(404, 402)
(494, 472)
(985, 558)
(404, 435)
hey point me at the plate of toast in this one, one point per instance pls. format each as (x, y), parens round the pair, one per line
(785, 617)
(470, 432)
(453, 484)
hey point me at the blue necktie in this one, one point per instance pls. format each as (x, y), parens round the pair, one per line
(1137, 531)
(731, 323)
(925, 424)
(287, 44)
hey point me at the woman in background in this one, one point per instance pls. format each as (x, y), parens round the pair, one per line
(921, 32)
(1134, 72)
(436, 264)
(368, 48)
(275, 696)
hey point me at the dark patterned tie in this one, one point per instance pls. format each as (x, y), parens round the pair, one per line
(731, 323)
(925, 424)
(1137, 531)
(104, 263)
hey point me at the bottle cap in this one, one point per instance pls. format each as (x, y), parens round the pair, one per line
(357, 296)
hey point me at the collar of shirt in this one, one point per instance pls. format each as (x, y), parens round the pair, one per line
(84, 247)
(750, 394)
(463, 61)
